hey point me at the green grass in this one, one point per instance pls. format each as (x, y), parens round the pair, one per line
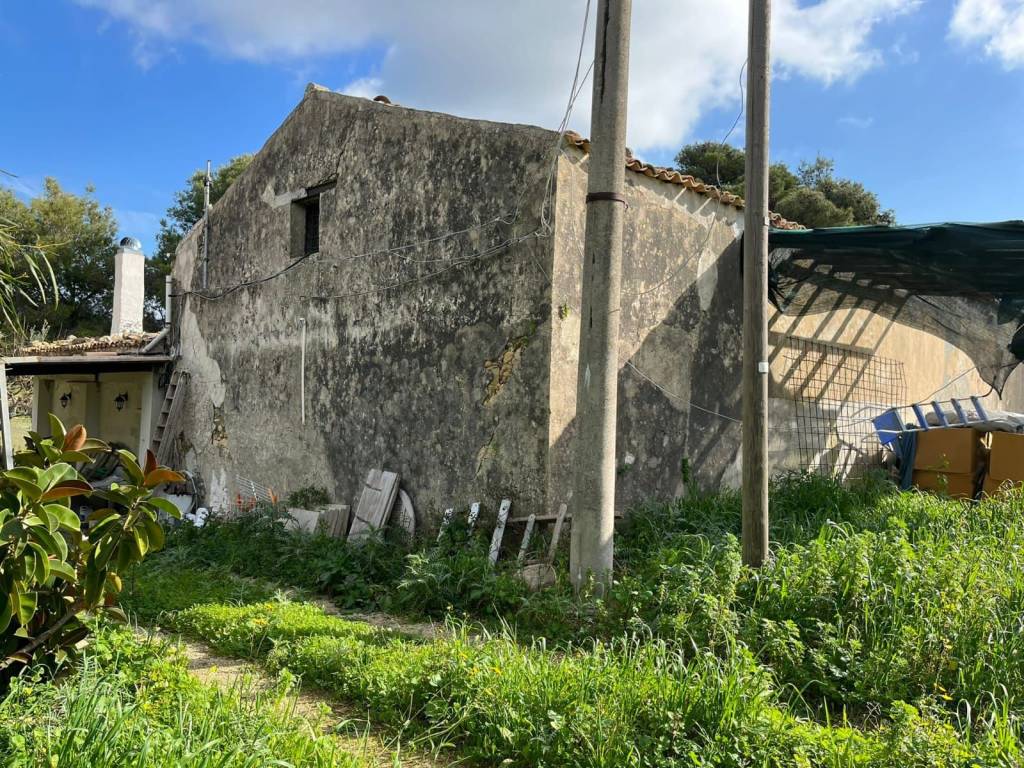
(632, 702)
(132, 703)
(897, 612)
(166, 583)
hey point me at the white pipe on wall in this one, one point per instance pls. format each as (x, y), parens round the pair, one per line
(302, 371)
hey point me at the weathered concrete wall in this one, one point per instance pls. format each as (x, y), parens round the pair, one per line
(680, 326)
(441, 377)
(454, 362)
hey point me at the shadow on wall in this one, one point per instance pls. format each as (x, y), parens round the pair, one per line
(694, 354)
(693, 357)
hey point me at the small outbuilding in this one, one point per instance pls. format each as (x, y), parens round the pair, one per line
(113, 385)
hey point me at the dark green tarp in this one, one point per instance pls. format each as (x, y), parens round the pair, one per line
(962, 282)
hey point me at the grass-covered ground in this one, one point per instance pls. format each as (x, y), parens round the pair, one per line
(886, 631)
(131, 703)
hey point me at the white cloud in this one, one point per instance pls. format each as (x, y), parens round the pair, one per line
(366, 87)
(996, 25)
(513, 61)
(856, 122)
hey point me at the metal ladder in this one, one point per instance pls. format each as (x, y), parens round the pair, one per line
(889, 425)
(170, 414)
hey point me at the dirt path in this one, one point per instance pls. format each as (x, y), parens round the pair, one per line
(351, 728)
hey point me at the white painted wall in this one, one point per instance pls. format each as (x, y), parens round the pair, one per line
(93, 404)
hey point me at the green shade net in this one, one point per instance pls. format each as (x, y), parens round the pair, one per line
(961, 282)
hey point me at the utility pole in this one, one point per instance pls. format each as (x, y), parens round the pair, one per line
(593, 501)
(755, 290)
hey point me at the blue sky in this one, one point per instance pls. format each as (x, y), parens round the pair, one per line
(131, 96)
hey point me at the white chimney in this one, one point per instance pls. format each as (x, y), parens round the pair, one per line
(129, 287)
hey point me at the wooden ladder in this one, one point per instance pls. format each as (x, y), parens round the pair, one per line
(170, 415)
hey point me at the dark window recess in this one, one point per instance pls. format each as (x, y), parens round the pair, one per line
(305, 220)
(311, 226)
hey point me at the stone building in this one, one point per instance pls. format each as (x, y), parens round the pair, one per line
(388, 287)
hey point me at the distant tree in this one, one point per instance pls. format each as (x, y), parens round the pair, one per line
(25, 274)
(184, 213)
(812, 208)
(813, 196)
(712, 162)
(77, 235)
(781, 181)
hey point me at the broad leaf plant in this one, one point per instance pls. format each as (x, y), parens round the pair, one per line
(54, 572)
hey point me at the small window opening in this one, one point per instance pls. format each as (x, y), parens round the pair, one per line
(305, 222)
(311, 235)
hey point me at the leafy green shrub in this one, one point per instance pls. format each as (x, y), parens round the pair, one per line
(258, 545)
(435, 583)
(51, 574)
(309, 497)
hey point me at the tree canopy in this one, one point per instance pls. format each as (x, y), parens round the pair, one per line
(76, 234)
(183, 214)
(813, 196)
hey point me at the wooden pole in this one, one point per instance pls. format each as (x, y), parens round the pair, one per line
(593, 517)
(755, 290)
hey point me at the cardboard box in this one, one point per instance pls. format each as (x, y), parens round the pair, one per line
(1006, 460)
(956, 485)
(994, 486)
(953, 450)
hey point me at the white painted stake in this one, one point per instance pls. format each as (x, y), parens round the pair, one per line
(527, 534)
(445, 522)
(474, 513)
(499, 530)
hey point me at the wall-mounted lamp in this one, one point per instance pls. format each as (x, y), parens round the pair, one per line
(65, 399)
(120, 401)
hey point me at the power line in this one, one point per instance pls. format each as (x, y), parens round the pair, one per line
(244, 283)
(680, 398)
(366, 254)
(492, 250)
(711, 224)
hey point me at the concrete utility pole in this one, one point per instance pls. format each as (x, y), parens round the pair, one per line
(593, 500)
(755, 291)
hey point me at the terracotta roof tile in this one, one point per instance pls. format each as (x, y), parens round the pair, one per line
(672, 176)
(126, 343)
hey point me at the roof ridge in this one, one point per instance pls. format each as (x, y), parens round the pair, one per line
(672, 176)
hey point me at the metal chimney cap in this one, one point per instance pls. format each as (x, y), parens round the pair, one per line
(131, 243)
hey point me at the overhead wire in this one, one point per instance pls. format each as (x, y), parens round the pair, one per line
(509, 219)
(711, 224)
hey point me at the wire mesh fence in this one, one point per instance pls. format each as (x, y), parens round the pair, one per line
(837, 391)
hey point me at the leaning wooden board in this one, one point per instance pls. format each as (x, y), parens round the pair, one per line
(335, 520)
(375, 504)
